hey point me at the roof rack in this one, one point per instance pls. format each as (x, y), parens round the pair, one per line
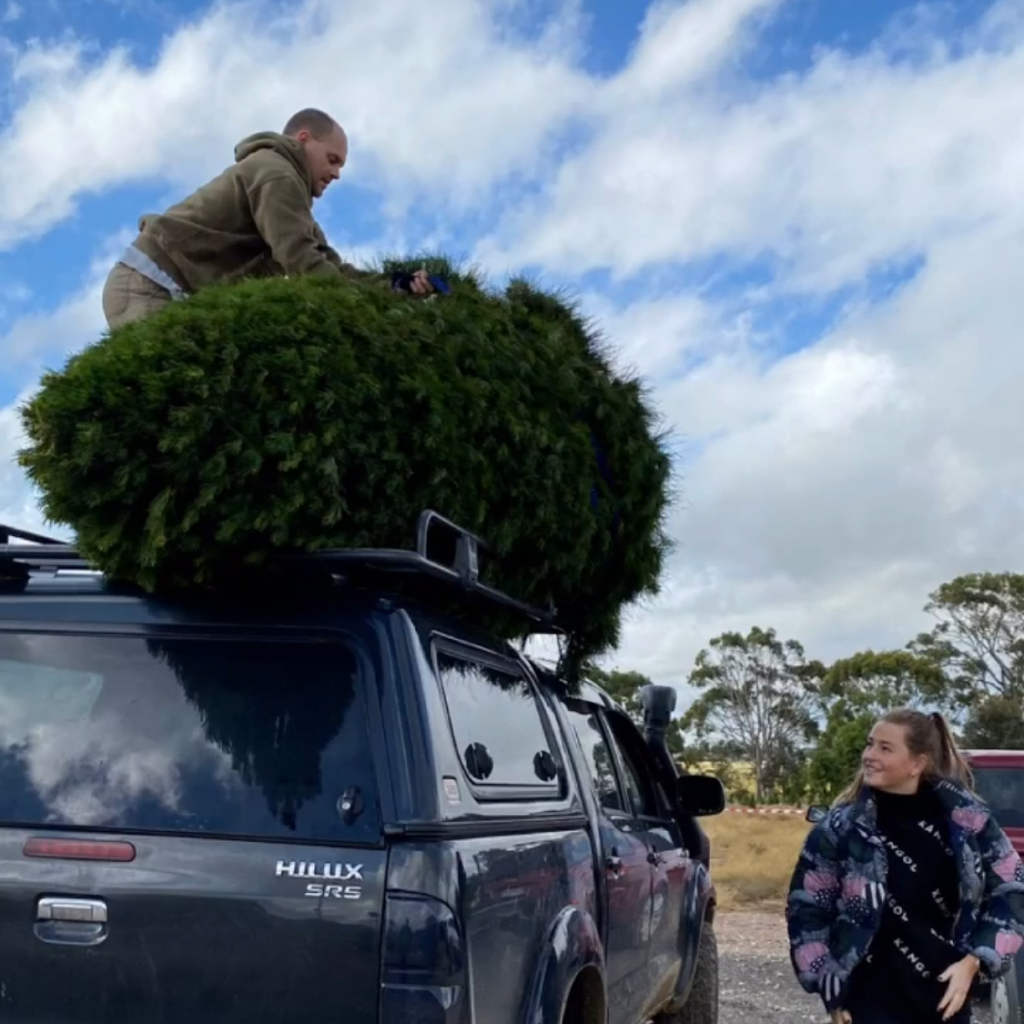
(7, 532)
(456, 564)
(445, 553)
(35, 552)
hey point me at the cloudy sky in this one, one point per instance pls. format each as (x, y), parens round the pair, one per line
(802, 219)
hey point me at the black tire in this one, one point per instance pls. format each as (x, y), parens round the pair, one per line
(701, 1006)
(1005, 998)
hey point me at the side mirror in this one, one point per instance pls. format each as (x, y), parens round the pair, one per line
(816, 813)
(700, 795)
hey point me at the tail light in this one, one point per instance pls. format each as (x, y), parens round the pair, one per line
(79, 849)
(424, 961)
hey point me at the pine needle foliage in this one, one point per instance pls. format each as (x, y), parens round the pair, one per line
(298, 414)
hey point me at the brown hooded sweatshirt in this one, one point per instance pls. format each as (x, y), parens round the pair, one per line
(253, 220)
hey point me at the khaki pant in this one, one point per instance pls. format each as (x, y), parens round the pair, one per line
(129, 296)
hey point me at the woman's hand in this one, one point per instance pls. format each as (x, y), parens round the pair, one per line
(841, 1017)
(959, 976)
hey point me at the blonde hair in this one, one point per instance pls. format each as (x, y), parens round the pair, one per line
(926, 735)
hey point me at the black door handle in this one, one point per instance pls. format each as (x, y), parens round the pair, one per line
(653, 857)
(614, 863)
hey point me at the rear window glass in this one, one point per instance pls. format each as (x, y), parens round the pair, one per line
(226, 737)
(1003, 790)
(497, 726)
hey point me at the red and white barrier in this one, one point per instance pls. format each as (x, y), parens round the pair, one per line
(767, 810)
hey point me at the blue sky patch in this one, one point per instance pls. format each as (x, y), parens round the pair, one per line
(802, 28)
(140, 24)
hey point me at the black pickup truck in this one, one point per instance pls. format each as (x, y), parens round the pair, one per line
(336, 804)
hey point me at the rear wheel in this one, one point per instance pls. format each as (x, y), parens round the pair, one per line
(702, 1005)
(1006, 995)
(585, 1004)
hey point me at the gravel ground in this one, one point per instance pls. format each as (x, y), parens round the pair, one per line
(757, 982)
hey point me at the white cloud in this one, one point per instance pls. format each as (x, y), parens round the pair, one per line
(680, 44)
(439, 98)
(838, 486)
(38, 340)
(18, 504)
(825, 492)
(45, 337)
(71, 325)
(861, 161)
(652, 337)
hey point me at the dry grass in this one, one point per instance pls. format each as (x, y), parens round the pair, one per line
(753, 856)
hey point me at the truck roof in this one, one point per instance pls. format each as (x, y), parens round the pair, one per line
(444, 564)
(983, 756)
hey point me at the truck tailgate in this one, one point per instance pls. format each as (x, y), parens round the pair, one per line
(189, 830)
(190, 931)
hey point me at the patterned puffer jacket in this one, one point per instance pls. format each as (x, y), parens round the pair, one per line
(838, 891)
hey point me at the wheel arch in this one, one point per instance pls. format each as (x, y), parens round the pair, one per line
(572, 956)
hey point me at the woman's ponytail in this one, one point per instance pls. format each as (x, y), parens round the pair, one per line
(950, 763)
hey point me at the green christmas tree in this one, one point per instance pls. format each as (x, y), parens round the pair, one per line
(294, 415)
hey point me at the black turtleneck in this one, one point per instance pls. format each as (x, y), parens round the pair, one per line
(914, 942)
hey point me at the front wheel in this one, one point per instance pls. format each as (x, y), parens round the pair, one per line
(1006, 994)
(701, 1006)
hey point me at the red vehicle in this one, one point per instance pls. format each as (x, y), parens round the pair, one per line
(999, 781)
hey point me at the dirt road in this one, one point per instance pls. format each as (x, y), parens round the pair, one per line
(757, 983)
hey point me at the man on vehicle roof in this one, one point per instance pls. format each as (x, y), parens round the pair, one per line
(253, 220)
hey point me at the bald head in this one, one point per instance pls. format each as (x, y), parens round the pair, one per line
(325, 143)
(318, 124)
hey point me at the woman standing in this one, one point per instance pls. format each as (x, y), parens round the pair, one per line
(908, 888)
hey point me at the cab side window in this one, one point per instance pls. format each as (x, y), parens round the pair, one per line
(631, 752)
(586, 722)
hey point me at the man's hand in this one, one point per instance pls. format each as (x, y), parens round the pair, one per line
(417, 284)
(841, 1017)
(420, 284)
(959, 977)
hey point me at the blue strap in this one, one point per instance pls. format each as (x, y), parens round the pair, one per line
(601, 457)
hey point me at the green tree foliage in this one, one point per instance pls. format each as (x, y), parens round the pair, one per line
(854, 693)
(293, 415)
(837, 756)
(716, 758)
(785, 774)
(624, 688)
(995, 723)
(970, 665)
(758, 694)
(878, 681)
(979, 638)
